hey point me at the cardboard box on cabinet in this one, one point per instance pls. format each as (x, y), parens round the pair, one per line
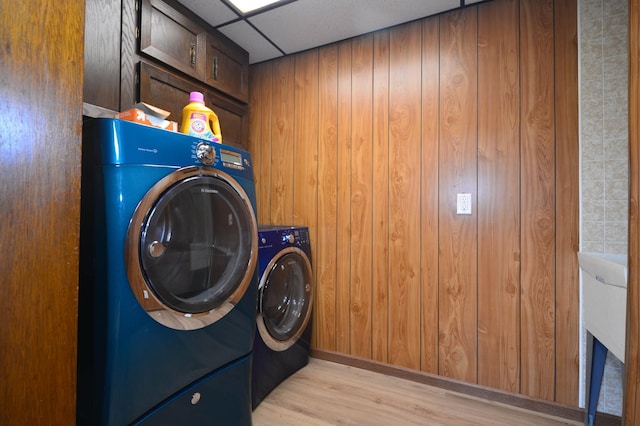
(150, 115)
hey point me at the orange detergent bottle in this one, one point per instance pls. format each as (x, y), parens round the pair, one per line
(200, 121)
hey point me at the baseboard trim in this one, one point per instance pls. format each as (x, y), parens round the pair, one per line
(516, 400)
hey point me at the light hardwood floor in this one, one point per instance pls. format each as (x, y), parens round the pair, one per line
(327, 393)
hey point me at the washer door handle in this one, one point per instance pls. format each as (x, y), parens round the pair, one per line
(156, 249)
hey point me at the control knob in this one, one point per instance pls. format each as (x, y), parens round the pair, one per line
(288, 238)
(205, 153)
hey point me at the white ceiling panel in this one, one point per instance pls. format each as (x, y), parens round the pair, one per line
(214, 12)
(259, 48)
(310, 23)
(303, 24)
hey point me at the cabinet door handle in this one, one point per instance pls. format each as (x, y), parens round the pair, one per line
(192, 54)
(215, 67)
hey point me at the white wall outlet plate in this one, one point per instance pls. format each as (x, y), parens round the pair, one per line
(464, 204)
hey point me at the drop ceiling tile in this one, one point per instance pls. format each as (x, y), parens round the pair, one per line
(250, 40)
(213, 11)
(304, 24)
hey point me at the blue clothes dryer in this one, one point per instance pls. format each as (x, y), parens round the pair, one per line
(168, 278)
(285, 300)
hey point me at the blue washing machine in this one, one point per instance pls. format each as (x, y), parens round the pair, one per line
(168, 279)
(285, 300)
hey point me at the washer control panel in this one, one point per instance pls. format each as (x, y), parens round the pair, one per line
(220, 156)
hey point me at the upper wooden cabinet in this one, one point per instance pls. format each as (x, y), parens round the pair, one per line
(171, 37)
(227, 68)
(157, 51)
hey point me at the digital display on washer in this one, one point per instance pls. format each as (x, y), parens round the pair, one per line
(230, 157)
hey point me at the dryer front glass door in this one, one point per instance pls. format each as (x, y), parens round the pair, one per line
(285, 299)
(196, 250)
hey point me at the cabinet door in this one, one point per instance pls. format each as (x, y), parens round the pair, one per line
(170, 92)
(169, 37)
(227, 68)
(233, 117)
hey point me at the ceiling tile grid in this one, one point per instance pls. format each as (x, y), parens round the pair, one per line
(304, 24)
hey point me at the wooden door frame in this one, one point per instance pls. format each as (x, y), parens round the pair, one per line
(632, 372)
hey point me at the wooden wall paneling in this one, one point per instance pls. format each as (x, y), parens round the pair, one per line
(305, 163)
(380, 206)
(40, 146)
(404, 195)
(305, 148)
(498, 206)
(325, 261)
(343, 228)
(266, 148)
(567, 327)
(631, 403)
(259, 143)
(256, 101)
(458, 174)
(361, 197)
(537, 199)
(429, 196)
(282, 141)
(430, 301)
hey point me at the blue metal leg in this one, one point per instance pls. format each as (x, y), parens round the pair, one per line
(597, 369)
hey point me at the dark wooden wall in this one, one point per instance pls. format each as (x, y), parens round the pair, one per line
(368, 141)
(41, 63)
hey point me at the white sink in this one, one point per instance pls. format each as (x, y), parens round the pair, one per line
(604, 291)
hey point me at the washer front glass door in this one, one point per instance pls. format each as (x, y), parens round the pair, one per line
(196, 249)
(285, 299)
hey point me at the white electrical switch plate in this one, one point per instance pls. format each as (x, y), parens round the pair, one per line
(464, 204)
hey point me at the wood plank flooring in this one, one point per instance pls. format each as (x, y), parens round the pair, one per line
(326, 393)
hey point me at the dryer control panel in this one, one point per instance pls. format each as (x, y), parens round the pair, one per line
(295, 237)
(282, 236)
(289, 238)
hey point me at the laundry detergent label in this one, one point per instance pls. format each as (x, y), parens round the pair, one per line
(198, 126)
